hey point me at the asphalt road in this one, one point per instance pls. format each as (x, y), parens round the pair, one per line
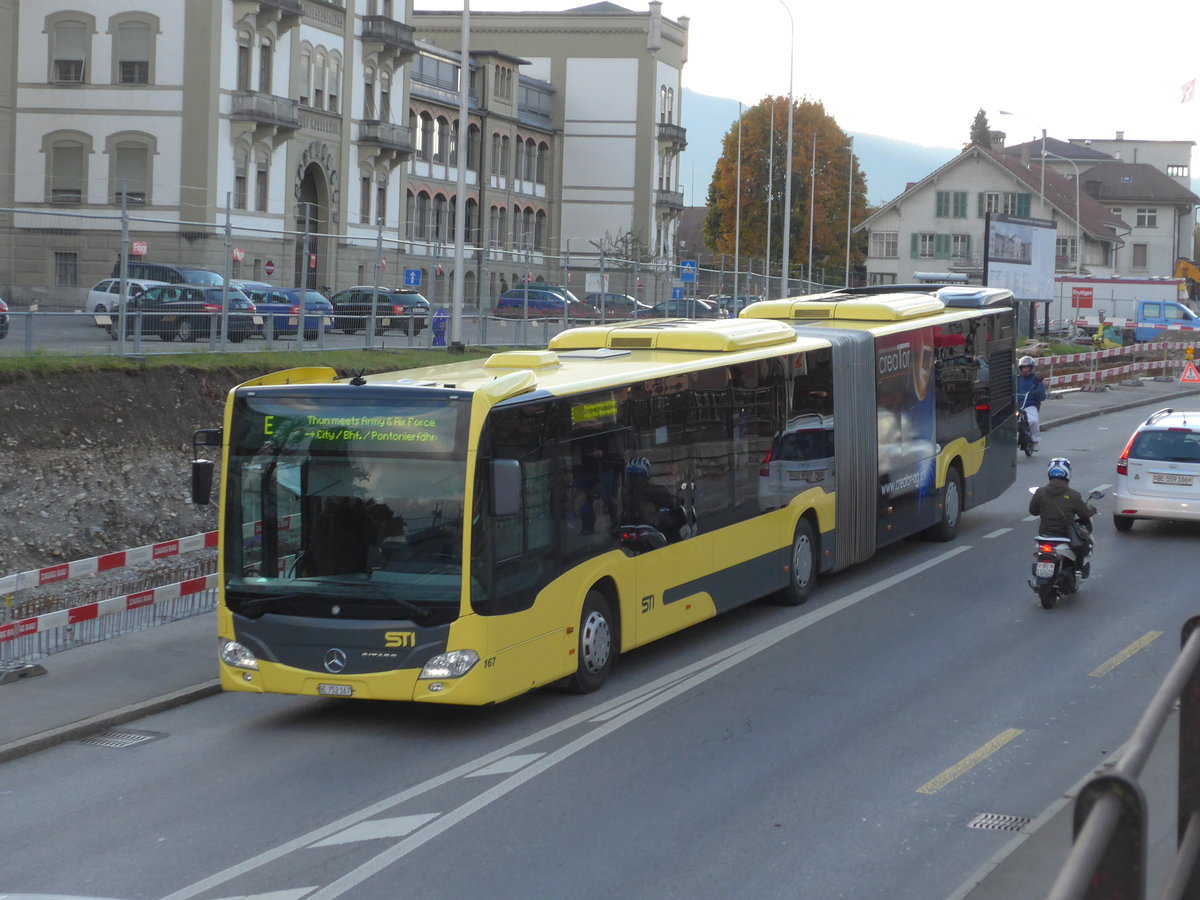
(835, 751)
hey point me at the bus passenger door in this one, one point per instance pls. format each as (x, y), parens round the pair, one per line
(672, 561)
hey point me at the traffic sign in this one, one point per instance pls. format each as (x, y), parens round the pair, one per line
(1190, 375)
(239, 254)
(676, 293)
(137, 248)
(687, 270)
(412, 277)
(269, 267)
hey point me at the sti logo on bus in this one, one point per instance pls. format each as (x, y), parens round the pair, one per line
(400, 639)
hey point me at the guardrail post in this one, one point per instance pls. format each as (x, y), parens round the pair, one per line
(1120, 872)
(1189, 751)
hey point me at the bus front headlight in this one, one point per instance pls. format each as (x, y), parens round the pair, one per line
(454, 664)
(238, 655)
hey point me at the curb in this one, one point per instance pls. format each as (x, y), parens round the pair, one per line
(102, 721)
(1119, 407)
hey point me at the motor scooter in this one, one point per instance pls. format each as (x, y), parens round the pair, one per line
(1058, 569)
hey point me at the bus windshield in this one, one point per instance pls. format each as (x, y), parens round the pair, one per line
(346, 508)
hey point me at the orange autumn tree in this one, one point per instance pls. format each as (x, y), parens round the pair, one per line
(827, 213)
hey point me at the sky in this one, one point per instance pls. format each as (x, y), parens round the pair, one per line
(919, 72)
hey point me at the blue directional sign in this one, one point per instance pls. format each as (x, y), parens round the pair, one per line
(687, 270)
(676, 293)
(412, 277)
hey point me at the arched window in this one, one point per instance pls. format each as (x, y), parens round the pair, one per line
(130, 161)
(426, 152)
(662, 103)
(319, 81)
(410, 216)
(670, 105)
(245, 52)
(70, 47)
(262, 180)
(474, 139)
(453, 156)
(539, 230)
(334, 85)
(369, 94)
(241, 167)
(543, 161)
(385, 97)
(422, 232)
(305, 77)
(133, 47)
(530, 160)
(441, 147)
(67, 154)
(496, 170)
(504, 153)
(472, 235)
(519, 173)
(266, 64)
(440, 219)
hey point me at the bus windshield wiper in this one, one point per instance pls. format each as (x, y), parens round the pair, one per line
(248, 604)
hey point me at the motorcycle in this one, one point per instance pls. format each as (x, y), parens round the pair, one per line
(1024, 437)
(1058, 568)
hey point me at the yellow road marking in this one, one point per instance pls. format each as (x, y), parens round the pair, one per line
(1144, 641)
(970, 762)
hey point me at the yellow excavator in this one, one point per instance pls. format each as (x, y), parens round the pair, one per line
(1190, 272)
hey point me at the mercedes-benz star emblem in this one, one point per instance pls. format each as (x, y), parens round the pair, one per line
(335, 660)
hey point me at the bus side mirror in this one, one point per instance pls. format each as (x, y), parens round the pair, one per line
(202, 479)
(202, 469)
(506, 487)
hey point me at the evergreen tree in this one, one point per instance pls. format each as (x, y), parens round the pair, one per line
(981, 132)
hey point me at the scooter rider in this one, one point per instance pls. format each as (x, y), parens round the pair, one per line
(1031, 391)
(1059, 506)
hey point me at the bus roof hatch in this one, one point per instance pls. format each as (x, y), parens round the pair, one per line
(710, 336)
(876, 308)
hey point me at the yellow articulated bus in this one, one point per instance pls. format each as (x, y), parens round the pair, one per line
(466, 532)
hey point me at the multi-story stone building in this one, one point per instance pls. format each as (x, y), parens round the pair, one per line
(311, 140)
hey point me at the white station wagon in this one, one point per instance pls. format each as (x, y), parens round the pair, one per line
(1158, 474)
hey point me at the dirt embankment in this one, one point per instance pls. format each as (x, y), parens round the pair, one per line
(96, 462)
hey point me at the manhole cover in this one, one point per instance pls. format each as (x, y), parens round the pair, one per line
(119, 740)
(998, 822)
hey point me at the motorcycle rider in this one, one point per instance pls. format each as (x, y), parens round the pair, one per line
(1031, 391)
(1059, 506)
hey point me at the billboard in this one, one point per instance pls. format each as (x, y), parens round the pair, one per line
(1019, 255)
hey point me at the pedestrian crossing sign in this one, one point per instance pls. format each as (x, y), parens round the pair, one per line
(1190, 375)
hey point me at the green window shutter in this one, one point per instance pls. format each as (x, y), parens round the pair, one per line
(982, 204)
(960, 204)
(966, 244)
(940, 209)
(915, 244)
(941, 246)
(1023, 205)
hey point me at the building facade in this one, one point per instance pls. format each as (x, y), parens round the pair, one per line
(316, 141)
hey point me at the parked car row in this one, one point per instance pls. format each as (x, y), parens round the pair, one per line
(402, 310)
(187, 312)
(282, 306)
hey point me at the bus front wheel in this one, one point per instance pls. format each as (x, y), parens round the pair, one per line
(596, 647)
(802, 571)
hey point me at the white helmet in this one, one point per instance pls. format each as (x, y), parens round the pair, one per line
(1024, 361)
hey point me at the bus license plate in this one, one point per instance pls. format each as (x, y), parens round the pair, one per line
(335, 690)
(1168, 478)
(1043, 569)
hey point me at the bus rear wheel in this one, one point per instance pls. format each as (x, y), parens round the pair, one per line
(802, 570)
(596, 647)
(951, 504)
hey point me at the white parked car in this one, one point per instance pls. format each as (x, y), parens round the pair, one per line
(1158, 474)
(105, 296)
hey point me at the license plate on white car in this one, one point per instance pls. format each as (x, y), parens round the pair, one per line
(1043, 569)
(335, 690)
(1172, 478)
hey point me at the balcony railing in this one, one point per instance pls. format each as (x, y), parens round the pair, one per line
(268, 109)
(290, 7)
(668, 199)
(386, 134)
(390, 33)
(670, 133)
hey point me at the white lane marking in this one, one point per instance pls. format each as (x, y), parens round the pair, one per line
(508, 765)
(293, 894)
(395, 827)
(746, 650)
(997, 533)
(706, 665)
(1031, 519)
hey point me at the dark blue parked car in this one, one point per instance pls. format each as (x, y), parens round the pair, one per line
(283, 306)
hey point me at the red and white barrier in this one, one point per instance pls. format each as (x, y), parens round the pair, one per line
(1101, 374)
(110, 607)
(107, 562)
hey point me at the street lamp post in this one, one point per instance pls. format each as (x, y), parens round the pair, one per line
(787, 184)
(849, 207)
(1078, 227)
